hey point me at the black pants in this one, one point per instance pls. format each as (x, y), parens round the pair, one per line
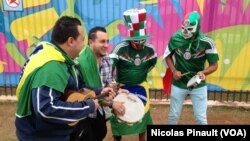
(90, 129)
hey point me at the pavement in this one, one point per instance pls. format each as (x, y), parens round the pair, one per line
(8, 97)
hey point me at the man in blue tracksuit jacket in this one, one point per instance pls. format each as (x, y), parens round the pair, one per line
(43, 114)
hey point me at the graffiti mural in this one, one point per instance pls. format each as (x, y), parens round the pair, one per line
(226, 21)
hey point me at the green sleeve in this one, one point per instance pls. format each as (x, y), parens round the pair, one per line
(152, 63)
(211, 51)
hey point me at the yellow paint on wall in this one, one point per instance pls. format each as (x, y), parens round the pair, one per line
(149, 2)
(247, 88)
(236, 74)
(36, 24)
(112, 29)
(245, 4)
(157, 81)
(1, 4)
(34, 3)
(201, 5)
(1, 66)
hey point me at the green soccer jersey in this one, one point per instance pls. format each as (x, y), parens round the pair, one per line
(191, 55)
(132, 66)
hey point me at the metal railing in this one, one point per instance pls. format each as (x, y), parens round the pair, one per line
(221, 96)
(8, 90)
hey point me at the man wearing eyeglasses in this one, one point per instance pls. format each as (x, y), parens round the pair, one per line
(133, 58)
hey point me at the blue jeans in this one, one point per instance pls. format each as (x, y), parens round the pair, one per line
(199, 101)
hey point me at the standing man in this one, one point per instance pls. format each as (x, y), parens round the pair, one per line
(133, 58)
(42, 112)
(191, 49)
(96, 69)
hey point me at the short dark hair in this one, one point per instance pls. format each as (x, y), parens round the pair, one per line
(64, 28)
(93, 31)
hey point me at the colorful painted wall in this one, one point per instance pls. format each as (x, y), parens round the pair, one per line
(226, 21)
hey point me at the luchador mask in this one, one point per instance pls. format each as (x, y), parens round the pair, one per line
(190, 25)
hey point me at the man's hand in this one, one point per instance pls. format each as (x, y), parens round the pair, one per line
(201, 75)
(110, 92)
(177, 75)
(118, 108)
(96, 104)
(123, 91)
(115, 86)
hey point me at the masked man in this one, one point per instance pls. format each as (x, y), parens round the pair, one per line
(190, 49)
